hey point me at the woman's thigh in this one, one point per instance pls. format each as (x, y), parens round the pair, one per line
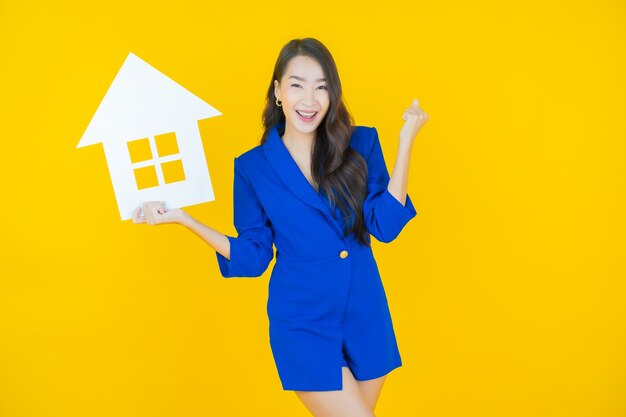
(371, 390)
(340, 403)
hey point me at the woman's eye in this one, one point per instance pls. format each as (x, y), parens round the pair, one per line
(298, 85)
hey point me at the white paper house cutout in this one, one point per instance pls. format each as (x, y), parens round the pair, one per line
(149, 115)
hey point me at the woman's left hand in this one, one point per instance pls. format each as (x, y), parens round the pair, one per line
(415, 119)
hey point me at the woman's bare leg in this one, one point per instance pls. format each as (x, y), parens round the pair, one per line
(348, 402)
(371, 390)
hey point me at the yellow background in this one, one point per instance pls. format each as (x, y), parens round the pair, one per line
(507, 290)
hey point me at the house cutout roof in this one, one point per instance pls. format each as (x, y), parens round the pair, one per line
(142, 101)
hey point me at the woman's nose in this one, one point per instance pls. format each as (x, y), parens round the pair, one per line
(309, 97)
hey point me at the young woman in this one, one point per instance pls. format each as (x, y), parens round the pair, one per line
(316, 187)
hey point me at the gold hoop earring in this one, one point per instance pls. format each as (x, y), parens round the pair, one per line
(277, 102)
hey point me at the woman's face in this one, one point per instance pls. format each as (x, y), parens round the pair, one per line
(303, 91)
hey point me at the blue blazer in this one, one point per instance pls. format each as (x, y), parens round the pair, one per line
(326, 302)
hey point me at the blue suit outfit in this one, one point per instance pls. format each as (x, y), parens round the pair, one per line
(326, 302)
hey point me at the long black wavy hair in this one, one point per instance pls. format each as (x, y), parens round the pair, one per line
(339, 170)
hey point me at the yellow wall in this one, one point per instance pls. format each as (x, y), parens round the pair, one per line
(507, 289)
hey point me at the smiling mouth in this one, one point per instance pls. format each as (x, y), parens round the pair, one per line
(308, 115)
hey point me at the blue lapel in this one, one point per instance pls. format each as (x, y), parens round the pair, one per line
(290, 174)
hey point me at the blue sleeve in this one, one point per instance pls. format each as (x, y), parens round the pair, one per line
(251, 251)
(384, 215)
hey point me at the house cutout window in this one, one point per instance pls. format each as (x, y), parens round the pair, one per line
(156, 160)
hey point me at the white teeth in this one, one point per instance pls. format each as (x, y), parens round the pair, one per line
(309, 115)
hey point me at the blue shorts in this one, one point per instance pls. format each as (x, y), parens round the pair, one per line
(322, 322)
(343, 361)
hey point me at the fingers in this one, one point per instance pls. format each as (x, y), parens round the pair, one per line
(149, 210)
(414, 110)
(136, 217)
(152, 212)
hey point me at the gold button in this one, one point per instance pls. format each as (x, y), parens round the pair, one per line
(343, 254)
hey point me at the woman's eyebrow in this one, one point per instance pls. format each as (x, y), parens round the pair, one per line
(302, 79)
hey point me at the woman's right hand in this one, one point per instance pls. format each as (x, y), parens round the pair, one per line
(154, 212)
